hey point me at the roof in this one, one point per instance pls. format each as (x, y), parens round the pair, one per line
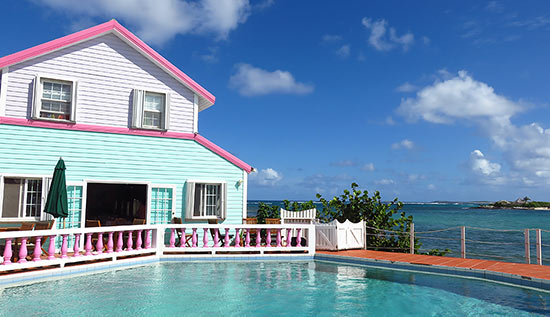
(206, 99)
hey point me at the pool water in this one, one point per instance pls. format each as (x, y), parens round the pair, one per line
(268, 288)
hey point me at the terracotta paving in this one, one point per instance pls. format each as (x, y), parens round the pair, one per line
(529, 270)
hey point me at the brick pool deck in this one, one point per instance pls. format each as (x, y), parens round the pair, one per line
(519, 269)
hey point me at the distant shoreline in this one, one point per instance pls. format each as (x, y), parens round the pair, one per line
(510, 207)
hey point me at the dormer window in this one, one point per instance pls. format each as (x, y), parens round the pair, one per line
(150, 110)
(54, 99)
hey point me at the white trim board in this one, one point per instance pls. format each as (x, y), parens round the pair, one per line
(4, 91)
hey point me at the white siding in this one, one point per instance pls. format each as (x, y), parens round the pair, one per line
(107, 69)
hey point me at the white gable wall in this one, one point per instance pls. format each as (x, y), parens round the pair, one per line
(106, 69)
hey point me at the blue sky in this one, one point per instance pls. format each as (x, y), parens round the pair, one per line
(423, 101)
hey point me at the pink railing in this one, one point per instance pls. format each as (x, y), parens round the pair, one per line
(233, 238)
(26, 249)
(29, 247)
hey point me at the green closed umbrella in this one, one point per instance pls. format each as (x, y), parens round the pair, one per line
(56, 204)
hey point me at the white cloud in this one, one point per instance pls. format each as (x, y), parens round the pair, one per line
(404, 144)
(158, 21)
(211, 56)
(389, 121)
(406, 87)
(525, 149)
(344, 163)
(266, 177)
(264, 5)
(368, 167)
(329, 38)
(481, 165)
(379, 38)
(431, 187)
(384, 181)
(254, 81)
(460, 97)
(344, 51)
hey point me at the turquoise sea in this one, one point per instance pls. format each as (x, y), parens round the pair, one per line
(488, 242)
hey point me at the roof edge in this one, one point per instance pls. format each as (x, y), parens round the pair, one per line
(97, 30)
(119, 130)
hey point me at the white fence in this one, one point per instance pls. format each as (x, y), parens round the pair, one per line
(340, 236)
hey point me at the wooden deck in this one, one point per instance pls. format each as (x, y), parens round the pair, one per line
(519, 269)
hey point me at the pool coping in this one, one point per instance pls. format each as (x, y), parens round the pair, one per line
(459, 272)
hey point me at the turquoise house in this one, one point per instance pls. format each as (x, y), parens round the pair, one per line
(125, 120)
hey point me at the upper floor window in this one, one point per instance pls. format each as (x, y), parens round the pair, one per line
(150, 110)
(206, 200)
(54, 99)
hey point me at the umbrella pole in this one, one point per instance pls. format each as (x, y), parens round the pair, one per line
(64, 223)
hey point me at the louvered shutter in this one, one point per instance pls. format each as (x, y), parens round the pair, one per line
(189, 200)
(73, 101)
(137, 108)
(36, 96)
(223, 203)
(166, 125)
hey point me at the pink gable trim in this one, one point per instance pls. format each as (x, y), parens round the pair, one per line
(98, 30)
(104, 129)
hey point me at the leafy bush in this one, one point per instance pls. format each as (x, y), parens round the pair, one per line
(357, 205)
(267, 211)
(296, 206)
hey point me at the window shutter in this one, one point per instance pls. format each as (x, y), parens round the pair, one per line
(46, 183)
(73, 101)
(36, 104)
(137, 108)
(189, 200)
(223, 203)
(167, 112)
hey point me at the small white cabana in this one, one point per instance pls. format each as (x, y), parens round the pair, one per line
(340, 236)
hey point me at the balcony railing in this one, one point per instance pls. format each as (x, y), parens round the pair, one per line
(32, 249)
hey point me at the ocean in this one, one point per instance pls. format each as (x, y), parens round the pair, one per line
(495, 234)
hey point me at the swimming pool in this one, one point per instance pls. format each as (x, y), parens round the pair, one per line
(267, 288)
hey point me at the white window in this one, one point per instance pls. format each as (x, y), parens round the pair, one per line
(54, 99)
(206, 200)
(22, 197)
(150, 110)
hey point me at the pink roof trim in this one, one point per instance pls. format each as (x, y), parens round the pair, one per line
(116, 130)
(98, 30)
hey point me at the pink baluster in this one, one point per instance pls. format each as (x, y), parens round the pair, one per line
(268, 238)
(278, 238)
(64, 246)
(7, 252)
(205, 238)
(130, 241)
(288, 237)
(119, 242)
(148, 239)
(110, 243)
(183, 238)
(88, 245)
(247, 238)
(216, 238)
(237, 238)
(226, 238)
(194, 238)
(99, 243)
(37, 249)
(258, 238)
(172, 238)
(76, 251)
(138, 240)
(23, 251)
(51, 248)
(299, 238)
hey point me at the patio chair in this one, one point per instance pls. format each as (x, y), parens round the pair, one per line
(253, 232)
(188, 236)
(138, 221)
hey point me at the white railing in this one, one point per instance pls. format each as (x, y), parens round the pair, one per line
(30, 249)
